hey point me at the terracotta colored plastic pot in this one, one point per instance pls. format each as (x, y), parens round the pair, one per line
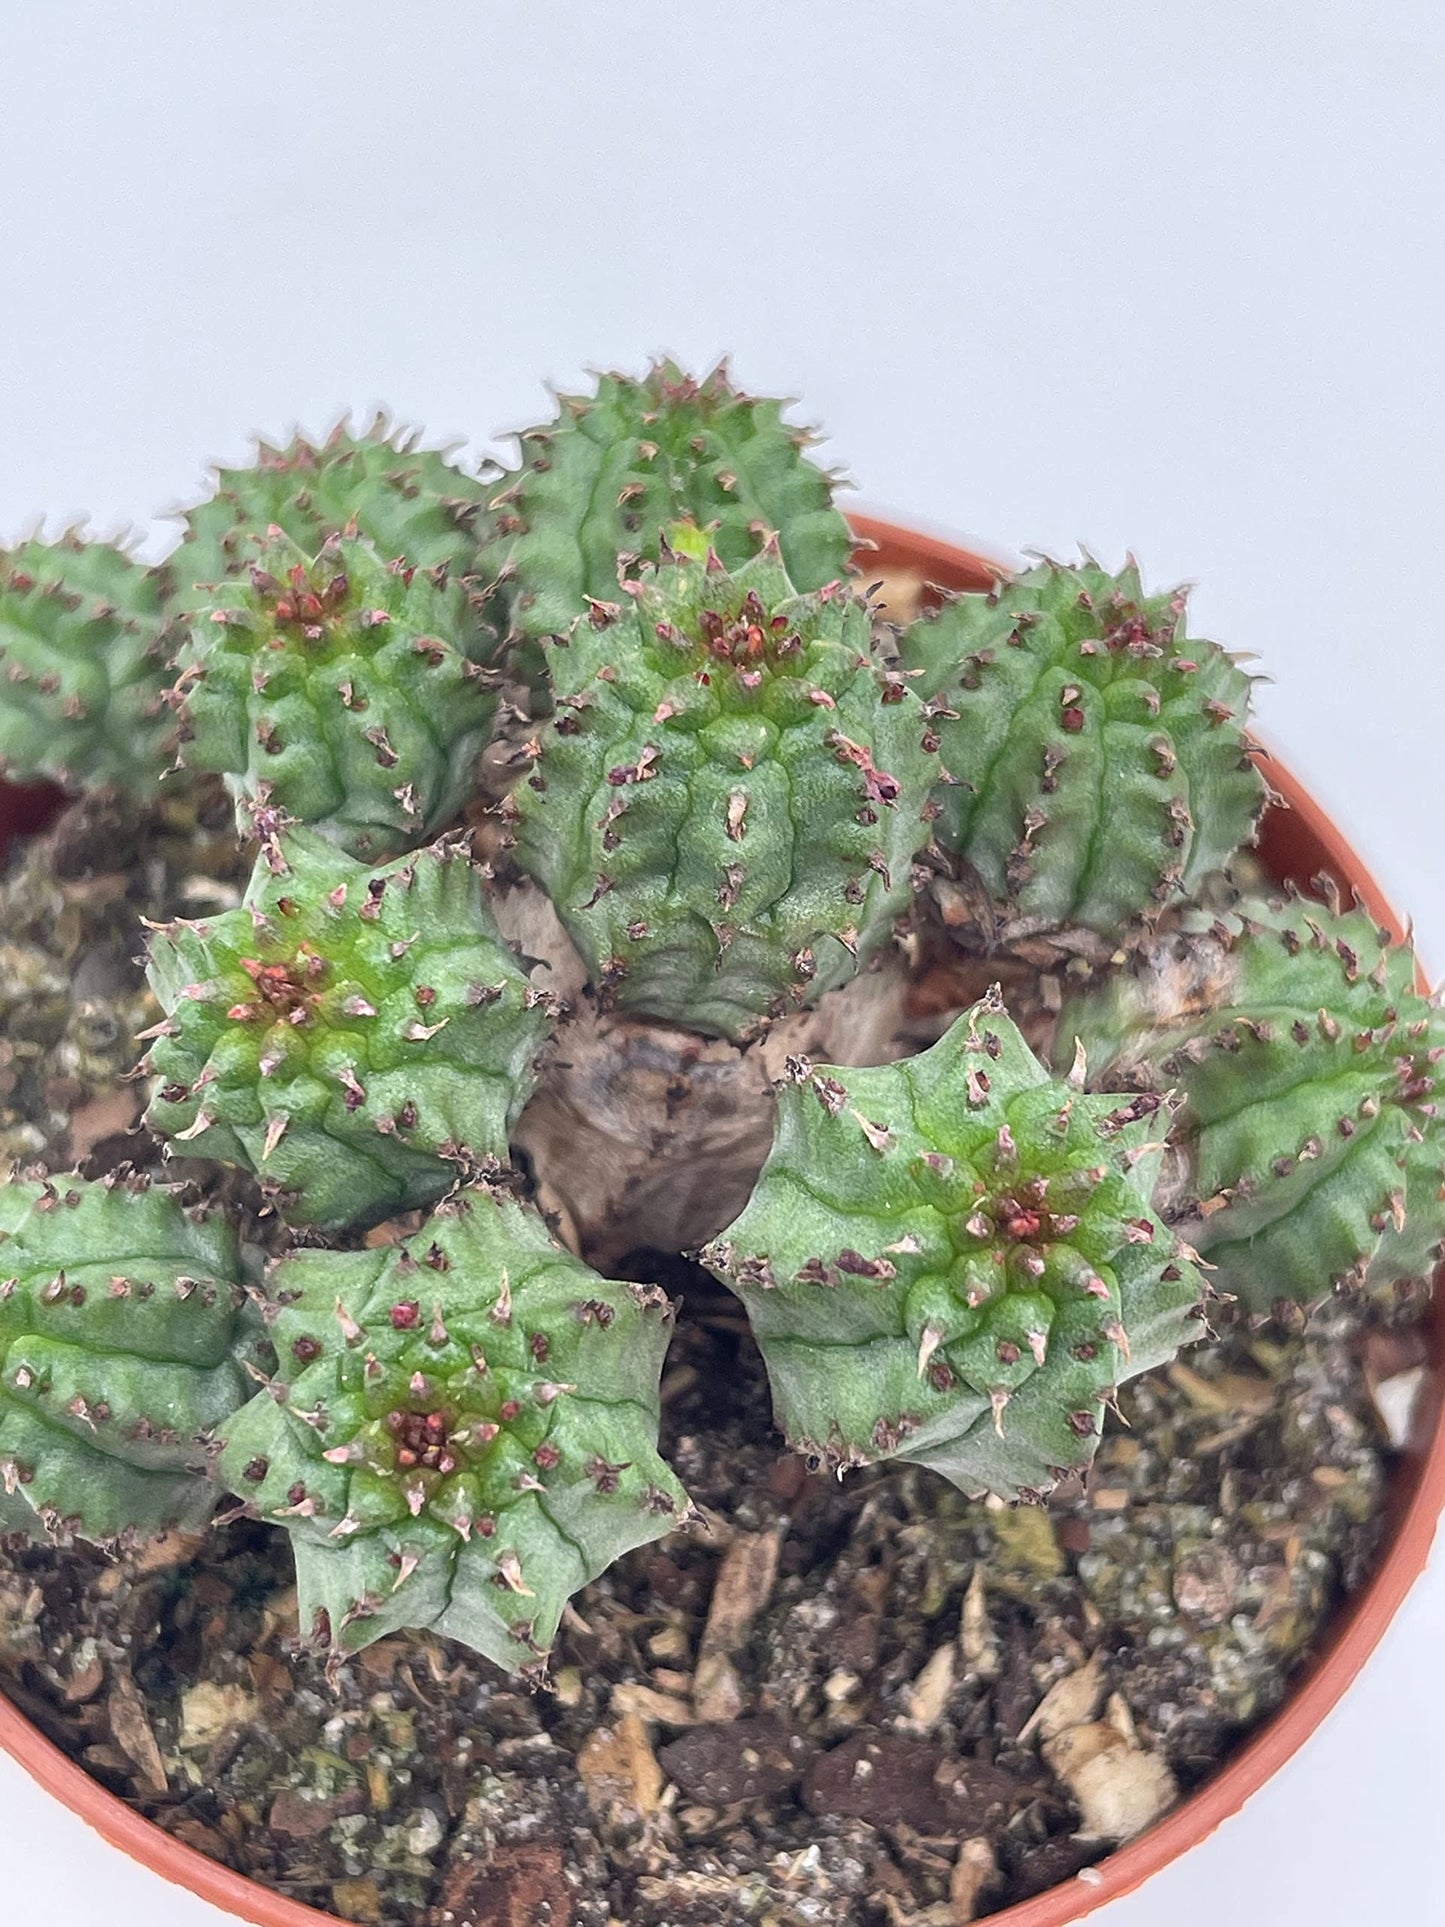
(1298, 842)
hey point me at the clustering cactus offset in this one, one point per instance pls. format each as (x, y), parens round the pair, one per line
(359, 1037)
(346, 692)
(725, 807)
(462, 1431)
(83, 671)
(729, 771)
(599, 484)
(1313, 1089)
(411, 502)
(954, 1260)
(1098, 759)
(122, 1328)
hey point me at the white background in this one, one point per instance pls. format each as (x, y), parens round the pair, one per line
(1160, 276)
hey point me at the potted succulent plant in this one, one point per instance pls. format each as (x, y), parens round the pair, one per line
(757, 1261)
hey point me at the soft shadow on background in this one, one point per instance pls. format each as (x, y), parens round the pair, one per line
(1141, 276)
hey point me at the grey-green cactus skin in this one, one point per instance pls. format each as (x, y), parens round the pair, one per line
(358, 1036)
(462, 1431)
(954, 1260)
(1310, 1074)
(83, 667)
(725, 806)
(122, 1329)
(342, 692)
(1098, 757)
(410, 502)
(598, 486)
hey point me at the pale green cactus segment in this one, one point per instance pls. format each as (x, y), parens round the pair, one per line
(343, 692)
(462, 1431)
(597, 487)
(955, 1261)
(410, 502)
(1313, 1091)
(122, 1327)
(726, 804)
(360, 1037)
(1098, 755)
(83, 669)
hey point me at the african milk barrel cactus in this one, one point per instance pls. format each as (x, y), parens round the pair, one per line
(1313, 1089)
(83, 671)
(1096, 756)
(461, 1431)
(726, 803)
(955, 1260)
(122, 1334)
(343, 691)
(607, 880)
(358, 1036)
(597, 486)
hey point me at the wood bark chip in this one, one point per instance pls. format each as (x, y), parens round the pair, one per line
(619, 1769)
(741, 1760)
(515, 1886)
(1119, 1789)
(743, 1586)
(926, 1698)
(133, 1734)
(1070, 1701)
(892, 1781)
(974, 1872)
(646, 1703)
(977, 1639)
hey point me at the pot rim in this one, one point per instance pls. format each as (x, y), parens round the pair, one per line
(1417, 1498)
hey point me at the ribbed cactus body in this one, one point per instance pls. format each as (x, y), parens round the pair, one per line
(120, 1328)
(410, 502)
(726, 803)
(1313, 1094)
(83, 672)
(597, 487)
(359, 1037)
(462, 1431)
(342, 692)
(954, 1260)
(1098, 755)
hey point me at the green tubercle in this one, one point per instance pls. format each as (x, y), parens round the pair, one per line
(725, 806)
(462, 1431)
(359, 1036)
(83, 670)
(597, 487)
(1310, 1068)
(121, 1331)
(1098, 754)
(346, 693)
(955, 1261)
(410, 502)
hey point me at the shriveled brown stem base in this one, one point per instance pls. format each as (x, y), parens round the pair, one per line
(643, 1135)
